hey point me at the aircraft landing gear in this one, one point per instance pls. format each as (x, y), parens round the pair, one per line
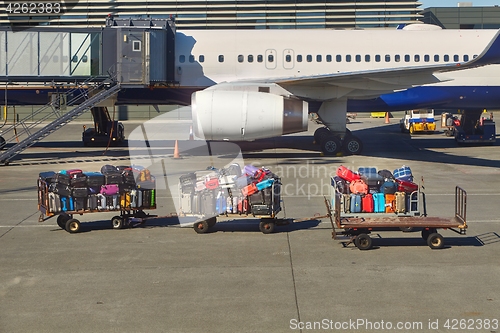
(331, 144)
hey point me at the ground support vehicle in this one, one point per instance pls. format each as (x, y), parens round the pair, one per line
(105, 131)
(359, 226)
(418, 121)
(66, 220)
(483, 132)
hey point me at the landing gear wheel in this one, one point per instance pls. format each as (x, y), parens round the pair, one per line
(2, 142)
(320, 134)
(330, 145)
(117, 222)
(427, 232)
(435, 241)
(211, 222)
(72, 226)
(201, 227)
(266, 226)
(363, 242)
(353, 145)
(61, 220)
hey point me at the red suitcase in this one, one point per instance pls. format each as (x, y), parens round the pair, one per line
(212, 183)
(249, 190)
(406, 186)
(347, 174)
(367, 205)
(358, 186)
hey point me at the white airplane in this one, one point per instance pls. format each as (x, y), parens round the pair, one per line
(253, 84)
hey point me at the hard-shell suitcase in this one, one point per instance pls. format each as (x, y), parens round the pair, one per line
(64, 204)
(261, 209)
(259, 175)
(243, 181)
(94, 179)
(208, 203)
(388, 187)
(133, 199)
(79, 192)
(146, 198)
(148, 184)
(125, 200)
(113, 178)
(152, 202)
(92, 202)
(347, 174)
(390, 203)
(400, 202)
(128, 176)
(78, 180)
(355, 203)
(186, 202)
(102, 202)
(107, 168)
(379, 203)
(358, 186)
(346, 203)
(115, 199)
(249, 190)
(367, 171)
(229, 205)
(403, 173)
(340, 185)
(62, 178)
(196, 203)
(243, 205)
(212, 183)
(267, 195)
(412, 202)
(110, 189)
(406, 186)
(227, 181)
(220, 203)
(47, 176)
(250, 169)
(80, 203)
(140, 199)
(374, 181)
(367, 204)
(187, 182)
(61, 189)
(256, 198)
(54, 203)
(74, 172)
(264, 184)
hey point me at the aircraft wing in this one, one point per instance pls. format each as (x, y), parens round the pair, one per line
(401, 77)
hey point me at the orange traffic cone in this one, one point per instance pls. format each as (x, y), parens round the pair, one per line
(191, 133)
(387, 118)
(176, 150)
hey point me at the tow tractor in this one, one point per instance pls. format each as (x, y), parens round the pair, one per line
(416, 121)
(105, 131)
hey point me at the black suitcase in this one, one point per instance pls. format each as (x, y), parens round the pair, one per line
(94, 179)
(78, 180)
(128, 177)
(188, 182)
(109, 169)
(374, 181)
(147, 184)
(62, 178)
(93, 202)
(47, 176)
(268, 195)
(146, 198)
(62, 189)
(80, 203)
(79, 192)
(257, 198)
(113, 178)
(261, 209)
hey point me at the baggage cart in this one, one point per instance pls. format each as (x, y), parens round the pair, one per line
(66, 220)
(359, 226)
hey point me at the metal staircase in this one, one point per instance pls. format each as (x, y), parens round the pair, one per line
(98, 92)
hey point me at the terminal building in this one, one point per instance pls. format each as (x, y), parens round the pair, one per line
(217, 14)
(464, 16)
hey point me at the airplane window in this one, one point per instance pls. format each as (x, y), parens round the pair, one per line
(436, 57)
(387, 58)
(417, 58)
(270, 58)
(191, 58)
(367, 58)
(299, 58)
(288, 58)
(446, 58)
(377, 58)
(456, 58)
(348, 58)
(407, 58)
(250, 58)
(221, 58)
(309, 58)
(466, 57)
(182, 59)
(201, 58)
(338, 58)
(329, 58)
(260, 58)
(241, 58)
(397, 58)
(319, 58)
(427, 58)
(358, 58)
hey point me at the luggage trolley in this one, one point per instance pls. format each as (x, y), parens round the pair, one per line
(66, 220)
(226, 200)
(359, 226)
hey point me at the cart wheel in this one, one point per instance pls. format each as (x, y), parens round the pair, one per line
(61, 220)
(117, 222)
(411, 130)
(435, 241)
(212, 221)
(363, 242)
(406, 229)
(427, 232)
(266, 227)
(201, 227)
(72, 226)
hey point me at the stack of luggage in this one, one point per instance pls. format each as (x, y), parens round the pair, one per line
(230, 190)
(372, 191)
(114, 188)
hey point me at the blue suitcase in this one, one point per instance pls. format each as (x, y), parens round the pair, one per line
(265, 184)
(355, 203)
(379, 202)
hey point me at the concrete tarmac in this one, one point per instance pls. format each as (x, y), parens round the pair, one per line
(165, 278)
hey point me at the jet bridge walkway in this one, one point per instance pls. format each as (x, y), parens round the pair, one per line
(93, 93)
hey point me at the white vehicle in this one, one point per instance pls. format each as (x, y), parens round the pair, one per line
(418, 121)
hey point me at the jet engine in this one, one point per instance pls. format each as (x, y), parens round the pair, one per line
(246, 115)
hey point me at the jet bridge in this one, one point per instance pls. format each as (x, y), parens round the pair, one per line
(83, 67)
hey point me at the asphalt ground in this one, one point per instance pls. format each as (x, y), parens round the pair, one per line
(162, 277)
